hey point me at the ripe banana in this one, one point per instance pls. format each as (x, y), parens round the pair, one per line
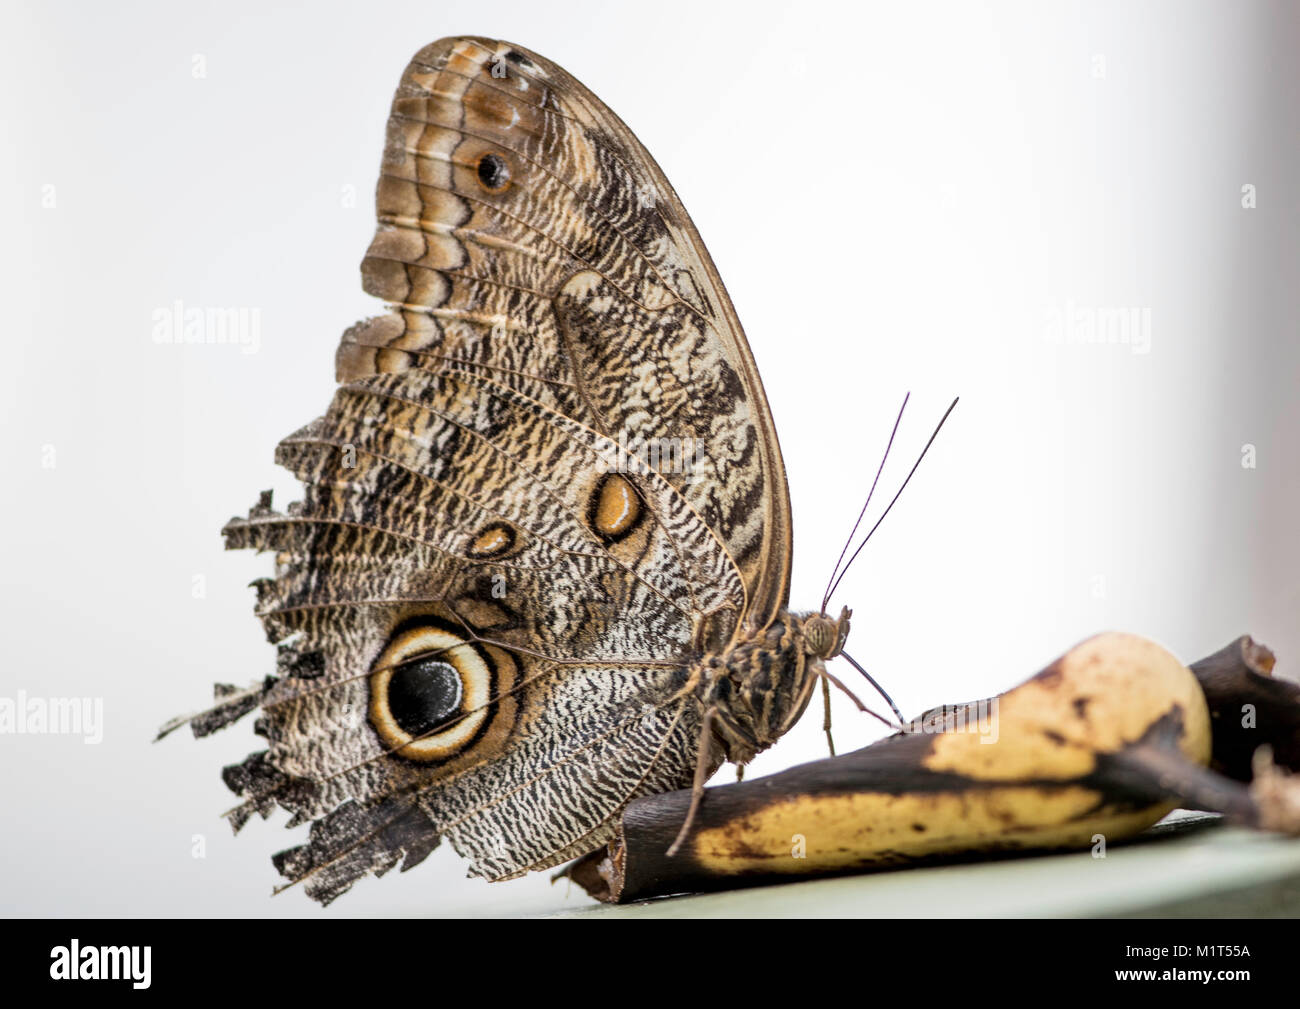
(1105, 741)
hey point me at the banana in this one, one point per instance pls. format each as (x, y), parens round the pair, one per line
(1100, 744)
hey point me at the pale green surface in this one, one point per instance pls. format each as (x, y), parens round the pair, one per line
(1194, 869)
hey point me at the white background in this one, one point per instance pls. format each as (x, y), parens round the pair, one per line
(897, 196)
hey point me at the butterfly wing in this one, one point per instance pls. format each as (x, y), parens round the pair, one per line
(547, 481)
(524, 229)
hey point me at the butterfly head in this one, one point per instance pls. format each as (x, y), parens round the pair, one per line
(824, 637)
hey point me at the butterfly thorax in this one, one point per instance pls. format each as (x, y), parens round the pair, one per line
(759, 686)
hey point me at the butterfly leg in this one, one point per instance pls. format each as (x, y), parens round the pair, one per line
(702, 763)
(826, 720)
(830, 678)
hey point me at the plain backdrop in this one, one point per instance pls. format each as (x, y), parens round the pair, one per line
(934, 197)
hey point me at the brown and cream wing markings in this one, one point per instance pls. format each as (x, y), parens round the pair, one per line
(485, 609)
(526, 233)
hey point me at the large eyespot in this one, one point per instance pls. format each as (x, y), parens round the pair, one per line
(430, 693)
(493, 173)
(614, 508)
(424, 694)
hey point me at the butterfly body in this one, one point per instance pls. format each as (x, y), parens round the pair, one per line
(761, 685)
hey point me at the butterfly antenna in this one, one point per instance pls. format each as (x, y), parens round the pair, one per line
(853, 532)
(854, 557)
(876, 686)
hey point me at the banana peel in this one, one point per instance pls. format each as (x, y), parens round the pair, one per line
(1093, 749)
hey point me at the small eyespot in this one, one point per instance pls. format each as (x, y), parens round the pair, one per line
(495, 540)
(493, 173)
(615, 507)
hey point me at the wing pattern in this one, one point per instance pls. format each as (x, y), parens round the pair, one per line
(553, 452)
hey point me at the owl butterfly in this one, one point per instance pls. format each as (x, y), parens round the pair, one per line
(541, 563)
